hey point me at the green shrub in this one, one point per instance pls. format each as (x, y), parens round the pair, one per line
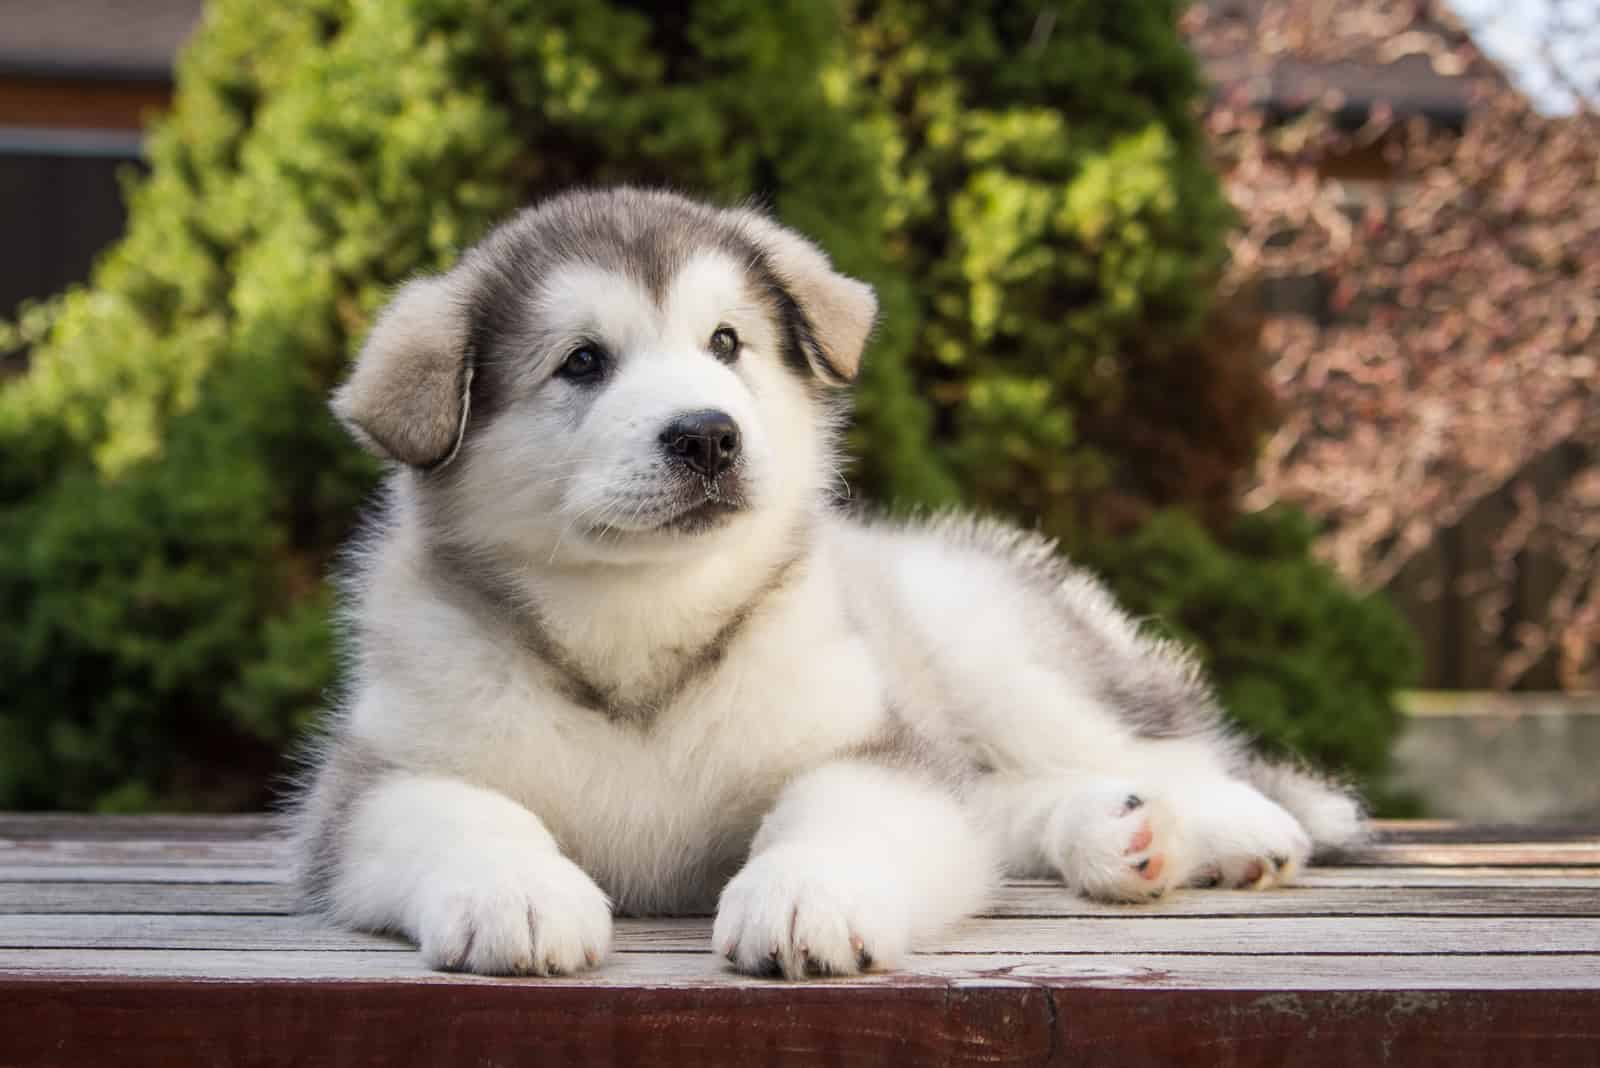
(1034, 207)
(1051, 200)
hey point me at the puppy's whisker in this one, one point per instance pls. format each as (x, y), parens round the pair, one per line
(569, 460)
(838, 474)
(582, 514)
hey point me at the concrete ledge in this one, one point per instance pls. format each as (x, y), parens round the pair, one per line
(1502, 757)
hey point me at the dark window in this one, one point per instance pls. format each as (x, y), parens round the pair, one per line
(57, 212)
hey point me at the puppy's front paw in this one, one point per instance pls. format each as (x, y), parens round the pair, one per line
(534, 915)
(1115, 842)
(800, 912)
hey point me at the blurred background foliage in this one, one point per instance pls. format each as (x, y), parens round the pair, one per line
(1032, 198)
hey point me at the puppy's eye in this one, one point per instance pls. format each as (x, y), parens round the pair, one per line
(582, 364)
(725, 344)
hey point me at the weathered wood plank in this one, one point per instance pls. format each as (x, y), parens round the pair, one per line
(1032, 899)
(172, 827)
(1200, 971)
(1147, 933)
(1499, 854)
(1458, 900)
(138, 931)
(1406, 876)
(242, 899)
(143, 873)
(1456, 832)
(166, 852)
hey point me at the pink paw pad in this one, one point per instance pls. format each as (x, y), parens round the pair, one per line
(1150, 867)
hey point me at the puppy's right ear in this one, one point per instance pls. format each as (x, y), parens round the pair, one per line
(407, 398)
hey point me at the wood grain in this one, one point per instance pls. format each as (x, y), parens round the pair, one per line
(1255, 936)
(143, 873)
(1366, 896)
(1159, 1016)
(1503, 854)
(68, 826)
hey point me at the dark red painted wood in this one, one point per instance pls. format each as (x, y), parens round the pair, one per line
(311, 1025)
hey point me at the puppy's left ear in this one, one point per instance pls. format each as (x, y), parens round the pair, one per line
(407, 398)
(839, 311)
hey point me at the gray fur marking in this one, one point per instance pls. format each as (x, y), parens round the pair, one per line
(1155, 686)
(644, 235)
(346, 770)
(900, 747)
(467, 576)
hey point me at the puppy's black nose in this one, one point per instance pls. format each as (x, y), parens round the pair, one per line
(707, 441)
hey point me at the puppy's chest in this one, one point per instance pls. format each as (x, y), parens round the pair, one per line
(653, 834)
(657, 813)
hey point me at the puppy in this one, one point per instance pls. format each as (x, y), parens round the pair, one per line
(614, 647)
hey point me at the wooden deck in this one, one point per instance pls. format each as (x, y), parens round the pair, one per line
(170, 941)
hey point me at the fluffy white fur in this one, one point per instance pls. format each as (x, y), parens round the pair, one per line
(901, 715)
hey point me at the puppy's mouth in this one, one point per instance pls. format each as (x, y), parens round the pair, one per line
(710, 512)
(692, 507)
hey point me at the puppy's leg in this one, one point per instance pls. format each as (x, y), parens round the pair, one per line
(1117, 768)
(1126, 839)
(854, 863)
(469, 875)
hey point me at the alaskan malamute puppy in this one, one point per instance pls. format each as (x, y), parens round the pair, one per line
(616, 649)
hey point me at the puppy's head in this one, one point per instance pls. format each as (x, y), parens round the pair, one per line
(614, 375)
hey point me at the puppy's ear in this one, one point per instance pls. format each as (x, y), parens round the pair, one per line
(839, 311)
(407, 398)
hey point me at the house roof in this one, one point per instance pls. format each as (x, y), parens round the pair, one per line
(101, 39)
(1285, 86)
(1414, 59)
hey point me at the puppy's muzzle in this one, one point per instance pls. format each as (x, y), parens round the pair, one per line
(707, 442)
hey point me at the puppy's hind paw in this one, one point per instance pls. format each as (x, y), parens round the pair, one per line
(1247, 873)
(1243, 841)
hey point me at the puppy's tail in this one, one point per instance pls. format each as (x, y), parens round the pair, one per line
(1330, 812)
